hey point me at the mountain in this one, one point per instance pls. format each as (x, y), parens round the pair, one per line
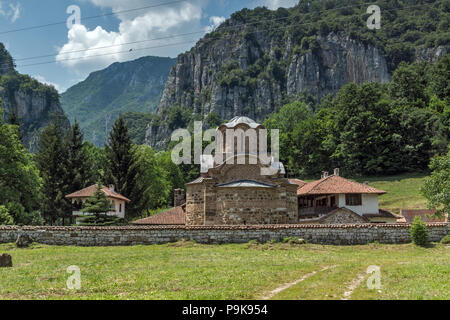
(134, 86)
(259, 60)
(30, 102)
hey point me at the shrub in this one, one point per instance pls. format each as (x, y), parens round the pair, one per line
(446, 239)
(5, 217)
(419, 232)
(103, 221)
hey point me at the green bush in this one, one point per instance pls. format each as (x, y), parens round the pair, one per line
(446, 239)
(419, 232)
(5, 217)
(101, 220)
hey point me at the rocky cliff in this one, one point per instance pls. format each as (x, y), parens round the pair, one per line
(33, 103)
(196, 81)
(260, 59)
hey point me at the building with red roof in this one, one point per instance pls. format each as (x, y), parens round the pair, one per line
(117, 200)
(172, 217)
(428, 216)
(323, 196)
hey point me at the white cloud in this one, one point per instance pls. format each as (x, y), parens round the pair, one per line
(12, 12)
(275, 4)
(43, 80)
(150, 23)
(215, 22)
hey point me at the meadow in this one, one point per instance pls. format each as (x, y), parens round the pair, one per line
(403, 191)
(186, 270)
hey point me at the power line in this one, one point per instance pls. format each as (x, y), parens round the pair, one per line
(108, 54)
(200, 32)
(92, 17)
(179, 35)
(110, 46)
(140, 49)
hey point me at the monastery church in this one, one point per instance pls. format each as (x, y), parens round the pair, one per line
(257, 193)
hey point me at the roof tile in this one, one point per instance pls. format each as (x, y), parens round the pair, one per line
(89, 191)
(174, 216)
(336, 185)
(426, 215)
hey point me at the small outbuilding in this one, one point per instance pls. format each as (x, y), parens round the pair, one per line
(117, 200)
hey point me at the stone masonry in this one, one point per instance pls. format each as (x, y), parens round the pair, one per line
(239, 189)
(348, 234)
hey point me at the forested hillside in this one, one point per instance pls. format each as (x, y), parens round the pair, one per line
(133, 86)
(370, 129)
(259, 60)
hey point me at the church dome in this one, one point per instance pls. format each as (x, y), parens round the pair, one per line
(242, 120)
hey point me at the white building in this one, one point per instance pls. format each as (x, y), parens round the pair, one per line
(117, 200)
(331, 192)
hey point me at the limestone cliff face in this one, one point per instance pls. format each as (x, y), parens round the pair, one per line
(35, 111)
(33, 103)
(197, 82)
(338, 60)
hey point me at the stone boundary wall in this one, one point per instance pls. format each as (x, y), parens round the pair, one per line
(348, 234)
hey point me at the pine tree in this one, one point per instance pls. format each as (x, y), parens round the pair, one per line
(122, 169)
(51, 160)
(98, 204)
(78, 175)
(14, 119)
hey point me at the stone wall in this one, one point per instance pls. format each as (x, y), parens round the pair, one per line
(210, 204)
(254, 206)
(195, 204)
(322, 234)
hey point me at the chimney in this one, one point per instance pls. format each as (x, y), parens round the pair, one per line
(111, 188)
(366, 183)
(178, 197)
(324, 174)
(336, 171)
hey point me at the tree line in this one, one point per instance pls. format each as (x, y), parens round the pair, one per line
(367, 129)
(370, 129)
(34, 186)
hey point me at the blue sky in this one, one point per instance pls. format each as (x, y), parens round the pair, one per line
(110, 33)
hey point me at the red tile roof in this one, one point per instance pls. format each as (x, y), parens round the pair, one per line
(89, 191)
(336, 185)
(426, 215)
(382, 214)
(298, 182)
(174, 216)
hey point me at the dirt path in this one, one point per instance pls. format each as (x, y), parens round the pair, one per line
(353, 285)
(290, 284)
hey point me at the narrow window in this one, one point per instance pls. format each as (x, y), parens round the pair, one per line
(353, 199)
(120, 207)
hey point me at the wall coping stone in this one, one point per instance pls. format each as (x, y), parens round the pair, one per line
(227, 227)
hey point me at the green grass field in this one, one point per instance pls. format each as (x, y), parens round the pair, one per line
(403, 191)
(185, 270)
